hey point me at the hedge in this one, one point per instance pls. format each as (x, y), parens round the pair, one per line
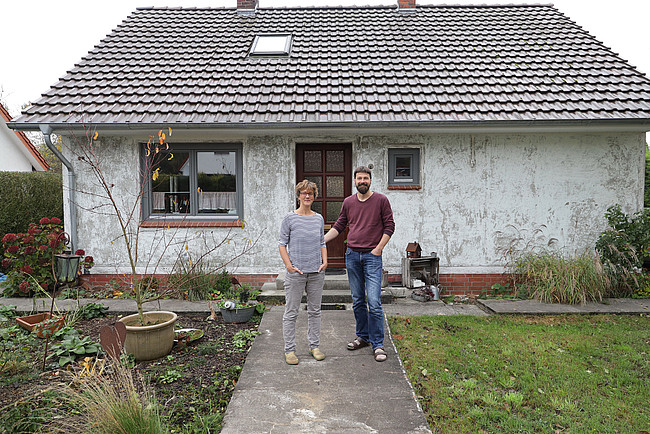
(647, 178)
(27, 197)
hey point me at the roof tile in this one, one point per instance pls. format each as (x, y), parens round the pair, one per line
(370, 64)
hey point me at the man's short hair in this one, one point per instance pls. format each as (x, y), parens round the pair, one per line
(306, 185)
(362, 169)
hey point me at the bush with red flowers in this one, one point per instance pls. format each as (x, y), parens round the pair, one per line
(27, 258)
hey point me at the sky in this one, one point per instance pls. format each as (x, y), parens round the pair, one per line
(42, 39)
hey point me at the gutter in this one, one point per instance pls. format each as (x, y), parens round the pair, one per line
(614, 124)
(72, 184)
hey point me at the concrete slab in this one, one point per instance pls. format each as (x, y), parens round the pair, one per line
(348, 392)
(533, 307)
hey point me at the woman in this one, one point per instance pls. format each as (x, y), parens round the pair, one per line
(303, 251)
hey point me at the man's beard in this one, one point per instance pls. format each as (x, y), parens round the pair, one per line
(363, 188)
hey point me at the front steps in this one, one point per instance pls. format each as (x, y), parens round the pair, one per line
(336, 290)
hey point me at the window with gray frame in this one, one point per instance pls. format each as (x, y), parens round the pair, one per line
(404, 166)
(200, 182)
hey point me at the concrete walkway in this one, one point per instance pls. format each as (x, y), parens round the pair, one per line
(348, 392)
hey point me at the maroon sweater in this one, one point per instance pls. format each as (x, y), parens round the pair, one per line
(368, 221)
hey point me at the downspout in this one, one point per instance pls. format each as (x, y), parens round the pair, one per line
(72, 185)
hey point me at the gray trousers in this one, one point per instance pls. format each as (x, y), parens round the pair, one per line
(295, 284)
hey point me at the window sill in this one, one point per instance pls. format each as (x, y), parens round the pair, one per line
(191, 224)
(404, 187)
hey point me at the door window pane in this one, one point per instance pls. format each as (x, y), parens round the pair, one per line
(335, 186)
(217, 182)
(334, 161)
(170, 181)
(333, 210)
(319, 183)
(318, 207)
(313, 161)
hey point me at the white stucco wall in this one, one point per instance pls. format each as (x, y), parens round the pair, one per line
(479, 192)
(12, 151)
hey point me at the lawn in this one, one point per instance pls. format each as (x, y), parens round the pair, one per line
(529, 373)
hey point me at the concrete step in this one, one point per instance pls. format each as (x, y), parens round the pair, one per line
(333, 282)
(270, 293)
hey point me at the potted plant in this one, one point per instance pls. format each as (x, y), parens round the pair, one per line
(238, 304)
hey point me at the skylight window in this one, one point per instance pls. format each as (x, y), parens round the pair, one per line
(271, 45)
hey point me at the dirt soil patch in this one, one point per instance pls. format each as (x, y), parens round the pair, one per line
(193, 384)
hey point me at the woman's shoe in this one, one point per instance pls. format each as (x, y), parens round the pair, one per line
(317, 354)
(291, 358)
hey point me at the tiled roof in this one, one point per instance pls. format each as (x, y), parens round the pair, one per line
(347, 65)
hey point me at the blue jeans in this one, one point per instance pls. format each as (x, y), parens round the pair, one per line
(364, 276)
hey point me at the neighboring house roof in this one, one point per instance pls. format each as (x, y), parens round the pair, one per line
(438, 65)
(19, 141)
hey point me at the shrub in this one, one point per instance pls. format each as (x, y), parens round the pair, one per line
(28, 196)
(553, 278)
(193, 282)
(27, 258)
(625, 245)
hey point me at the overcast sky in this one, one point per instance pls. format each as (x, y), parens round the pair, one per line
(42, 39)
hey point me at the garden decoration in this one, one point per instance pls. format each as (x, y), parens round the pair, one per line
(112, 338)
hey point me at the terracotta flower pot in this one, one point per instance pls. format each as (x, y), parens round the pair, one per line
(32, 322)
(150, 341)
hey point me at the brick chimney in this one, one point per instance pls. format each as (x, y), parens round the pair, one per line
(247, 7)
(406, 5)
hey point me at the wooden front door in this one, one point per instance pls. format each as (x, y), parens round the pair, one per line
(329, 166)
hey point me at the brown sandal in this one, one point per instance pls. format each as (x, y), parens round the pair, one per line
(380, 354)
(357, 343)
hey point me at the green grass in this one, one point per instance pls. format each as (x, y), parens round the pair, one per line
(505, 374)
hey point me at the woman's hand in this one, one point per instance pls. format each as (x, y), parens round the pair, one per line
(292, 269)
(323, 267)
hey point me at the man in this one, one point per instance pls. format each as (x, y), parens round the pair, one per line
(370, 219)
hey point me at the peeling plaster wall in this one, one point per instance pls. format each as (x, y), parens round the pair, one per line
(479, 193)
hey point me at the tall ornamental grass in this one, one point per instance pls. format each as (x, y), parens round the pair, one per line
(553, 278)
(112, 404)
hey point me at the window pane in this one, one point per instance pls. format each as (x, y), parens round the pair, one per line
(313, 161)
(333, 211)
(334, 161)
(335, 186)
(217, 182)
(271, 44)
(318, 207)
(402, 166)
(319, 183)
(170, 182)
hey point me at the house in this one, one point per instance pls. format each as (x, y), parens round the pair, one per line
(18, 152)
(487, 127)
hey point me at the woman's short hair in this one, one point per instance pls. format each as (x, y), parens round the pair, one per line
(306, 185)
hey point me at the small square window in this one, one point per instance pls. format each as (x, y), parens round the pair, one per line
(271, 45)
(404, 167)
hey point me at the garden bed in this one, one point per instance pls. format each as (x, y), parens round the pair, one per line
(193, 385)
